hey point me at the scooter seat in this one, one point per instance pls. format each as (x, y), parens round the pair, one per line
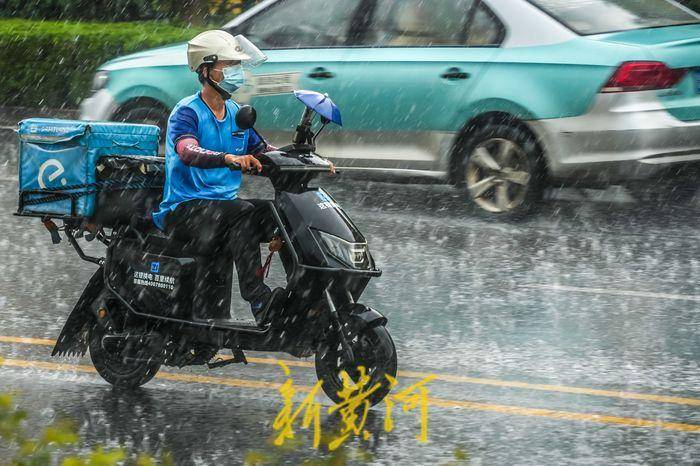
(143, 224)
(161, 242)
(157, 238)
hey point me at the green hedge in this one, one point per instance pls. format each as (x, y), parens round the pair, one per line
(51, 64)
(189, 11)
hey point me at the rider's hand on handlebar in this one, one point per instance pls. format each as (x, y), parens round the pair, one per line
(248, 163)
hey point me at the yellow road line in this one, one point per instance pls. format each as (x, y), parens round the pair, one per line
(46, 342)
(230, 382)
(437, 402)
(566, 415)
(28, 341)
(558, 388)
(457, 379)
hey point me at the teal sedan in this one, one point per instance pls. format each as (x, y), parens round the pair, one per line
(498, 97)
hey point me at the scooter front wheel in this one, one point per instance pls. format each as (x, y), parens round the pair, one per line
(112, 367)
(373, 349)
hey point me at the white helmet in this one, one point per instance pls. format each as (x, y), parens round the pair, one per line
(210, 46)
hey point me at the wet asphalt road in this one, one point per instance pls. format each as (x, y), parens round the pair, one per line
(569, 338)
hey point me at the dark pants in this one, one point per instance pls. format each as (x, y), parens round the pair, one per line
(217, 227)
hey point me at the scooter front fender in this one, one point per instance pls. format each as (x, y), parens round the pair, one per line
(73, 340)
(360, 317)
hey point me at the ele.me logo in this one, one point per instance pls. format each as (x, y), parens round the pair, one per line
(57, 171)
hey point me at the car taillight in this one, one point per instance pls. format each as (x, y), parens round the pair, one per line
(643, 76)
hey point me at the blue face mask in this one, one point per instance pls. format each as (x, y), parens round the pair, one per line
(234, 78)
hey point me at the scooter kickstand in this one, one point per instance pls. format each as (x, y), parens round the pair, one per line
(238, 356)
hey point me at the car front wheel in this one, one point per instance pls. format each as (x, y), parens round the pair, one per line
(145, 113)
(501, 170)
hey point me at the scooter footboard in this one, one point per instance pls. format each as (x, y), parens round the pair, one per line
(73, 340)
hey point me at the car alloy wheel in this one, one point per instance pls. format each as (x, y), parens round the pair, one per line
(498, 175)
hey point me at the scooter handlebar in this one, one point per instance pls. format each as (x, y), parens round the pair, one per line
(237, 167)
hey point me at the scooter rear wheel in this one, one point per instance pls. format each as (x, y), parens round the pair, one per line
(113, 369)
(373, 349)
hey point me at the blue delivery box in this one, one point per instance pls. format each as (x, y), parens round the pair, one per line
(58, 160)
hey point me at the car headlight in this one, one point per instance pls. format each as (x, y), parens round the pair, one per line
(100, 80)
(353, 254)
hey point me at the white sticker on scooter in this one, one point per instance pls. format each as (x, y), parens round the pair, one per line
(154, 280)
(327, 203)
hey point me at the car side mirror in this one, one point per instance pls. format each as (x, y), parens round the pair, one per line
(246, 117)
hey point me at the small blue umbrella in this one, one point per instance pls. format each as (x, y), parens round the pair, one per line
(321, 104)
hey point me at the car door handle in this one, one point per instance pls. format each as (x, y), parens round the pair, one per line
(455, 73)
(321, 73)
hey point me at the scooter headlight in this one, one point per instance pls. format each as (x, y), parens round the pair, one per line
(354, 255)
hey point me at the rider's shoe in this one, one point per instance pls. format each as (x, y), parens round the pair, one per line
(257, 307)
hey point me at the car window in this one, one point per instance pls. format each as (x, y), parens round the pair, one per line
(302, 23)
(485, 29)
(418, 23)
(600, 16)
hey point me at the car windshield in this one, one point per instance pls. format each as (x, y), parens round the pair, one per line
(601, 16)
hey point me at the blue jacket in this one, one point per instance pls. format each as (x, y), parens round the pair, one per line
(191, 117)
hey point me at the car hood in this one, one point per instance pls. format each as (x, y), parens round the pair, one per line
(169, 55)
(678, 46)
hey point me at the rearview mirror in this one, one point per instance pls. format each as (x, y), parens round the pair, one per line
(246, 116)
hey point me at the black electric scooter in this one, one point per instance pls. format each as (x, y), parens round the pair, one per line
(137, 312)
